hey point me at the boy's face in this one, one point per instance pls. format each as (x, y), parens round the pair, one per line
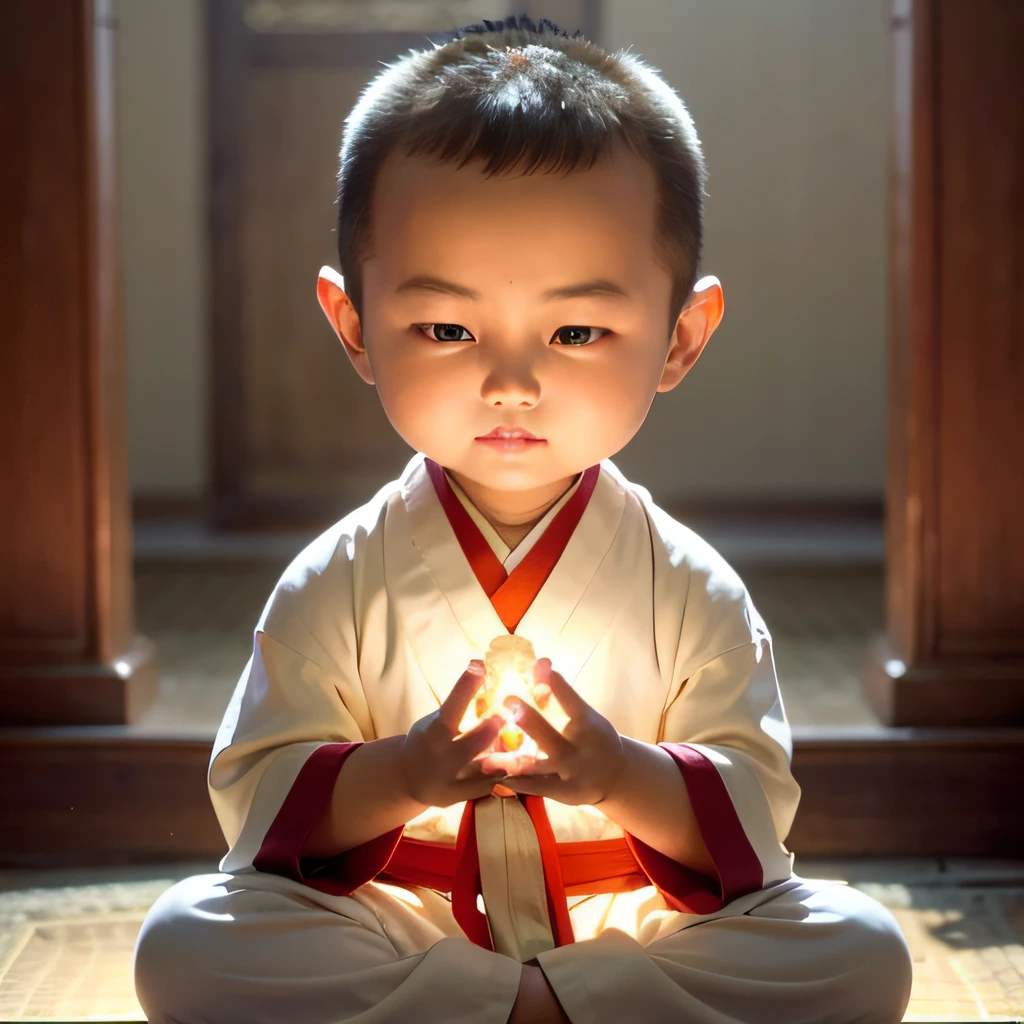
(529, 303)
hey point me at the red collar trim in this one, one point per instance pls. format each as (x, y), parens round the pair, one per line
(512, 594)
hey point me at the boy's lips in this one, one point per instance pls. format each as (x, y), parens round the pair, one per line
(509, 434)
(510, 439)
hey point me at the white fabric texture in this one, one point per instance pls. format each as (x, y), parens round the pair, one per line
(217, 949)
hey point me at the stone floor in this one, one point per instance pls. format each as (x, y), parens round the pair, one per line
(67, 938)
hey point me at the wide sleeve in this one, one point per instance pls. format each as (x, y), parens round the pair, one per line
(297, 713)
(725, 727)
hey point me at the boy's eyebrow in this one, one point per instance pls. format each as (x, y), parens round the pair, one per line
(428, 283)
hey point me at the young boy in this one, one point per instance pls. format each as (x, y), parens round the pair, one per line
(519, 232)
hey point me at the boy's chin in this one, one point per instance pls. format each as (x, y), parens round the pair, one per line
(512, 474)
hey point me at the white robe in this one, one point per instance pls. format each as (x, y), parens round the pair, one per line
(368, 630)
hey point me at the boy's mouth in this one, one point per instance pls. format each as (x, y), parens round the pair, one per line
(510, 439)
(509, 434)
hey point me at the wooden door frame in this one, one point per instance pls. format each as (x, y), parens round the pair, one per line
(916, 674)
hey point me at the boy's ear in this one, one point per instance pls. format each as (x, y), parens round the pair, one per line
(698, 320)
(341, 314)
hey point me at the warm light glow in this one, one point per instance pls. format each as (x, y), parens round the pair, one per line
(508, 672)
(512, 683)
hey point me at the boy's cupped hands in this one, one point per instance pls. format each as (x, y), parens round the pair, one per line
(583, 762)
(441, 767)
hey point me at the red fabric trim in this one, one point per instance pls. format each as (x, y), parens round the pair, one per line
(281, 850)
(682, 888)
(513, 598)
(554, 888)
(599, 866)
(466, 883)
(513, 594)
(481, 557)
(421, 862)
(594, 866)
(739, 870)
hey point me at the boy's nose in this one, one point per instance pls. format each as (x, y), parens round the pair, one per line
(511, 387)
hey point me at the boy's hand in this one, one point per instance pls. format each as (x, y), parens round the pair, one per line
(440, 767)
(584, 761)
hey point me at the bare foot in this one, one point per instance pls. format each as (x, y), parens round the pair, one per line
(536, 1002)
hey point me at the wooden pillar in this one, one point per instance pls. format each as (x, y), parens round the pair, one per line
(954, 652)
(68, 653)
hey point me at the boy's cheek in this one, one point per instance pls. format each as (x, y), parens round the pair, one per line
(425, 409)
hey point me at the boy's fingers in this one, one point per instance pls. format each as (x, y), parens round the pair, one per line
(476, 770)
(512, 762)
(476, 787)
(572, 703)
(455, 704)
(479, 738)
(534, 724)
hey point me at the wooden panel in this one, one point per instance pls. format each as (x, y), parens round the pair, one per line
(955, 481)
(107, 381)
(867, 792)
(65, 531)
(66, 588)
(980, 354)
(909, 792)
(949, 692)
(910, 472)
(81, 693)
(225, 64)
(311, 424)
(44, 597)
(94, 796)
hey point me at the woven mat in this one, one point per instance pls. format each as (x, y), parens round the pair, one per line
(66, 952)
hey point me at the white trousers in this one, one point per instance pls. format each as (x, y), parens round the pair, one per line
(220, 949)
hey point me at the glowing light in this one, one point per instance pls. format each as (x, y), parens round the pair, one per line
(508, 672)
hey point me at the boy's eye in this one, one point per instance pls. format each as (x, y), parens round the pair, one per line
(572, 335)
(446, 332)
(577, 335)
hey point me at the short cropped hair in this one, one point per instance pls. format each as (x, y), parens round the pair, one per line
(515, 95)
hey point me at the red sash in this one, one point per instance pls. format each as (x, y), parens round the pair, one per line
(606, 866)
(570, 869)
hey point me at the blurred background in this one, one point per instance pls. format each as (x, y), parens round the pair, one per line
(785, 408)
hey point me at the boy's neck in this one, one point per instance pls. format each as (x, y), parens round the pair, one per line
(513, 514)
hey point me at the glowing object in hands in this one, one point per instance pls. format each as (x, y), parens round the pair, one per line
(508, 672)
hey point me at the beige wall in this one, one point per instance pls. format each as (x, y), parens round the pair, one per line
(790, 98)
(161, 92)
